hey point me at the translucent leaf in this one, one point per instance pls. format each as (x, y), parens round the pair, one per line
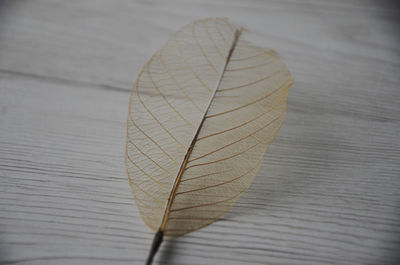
(202, 114)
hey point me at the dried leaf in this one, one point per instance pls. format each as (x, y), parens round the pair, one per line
(202, 114)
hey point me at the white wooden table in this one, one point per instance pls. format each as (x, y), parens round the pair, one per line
(327, 193)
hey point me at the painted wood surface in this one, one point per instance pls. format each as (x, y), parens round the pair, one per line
(327, 192)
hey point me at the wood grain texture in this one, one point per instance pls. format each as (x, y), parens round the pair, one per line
(327, 192)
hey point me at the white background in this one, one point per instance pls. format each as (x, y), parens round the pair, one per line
(327, 193)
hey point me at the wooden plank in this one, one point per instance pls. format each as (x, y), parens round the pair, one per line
(327, 192)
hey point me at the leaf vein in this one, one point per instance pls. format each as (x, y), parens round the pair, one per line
(164, 98)
(148, 157)
(159, 123)
(210, 204)
(226, 158)
(177, 83)
(150, 177)
(151, 139)
(254, 82)
(225, 182)
(202, 50)
(188, 66)
(241, 139)
(248, 104)
(242, 124)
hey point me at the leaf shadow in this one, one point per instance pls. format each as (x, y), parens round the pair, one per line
(3, 246)
(167, 251)
(280, 179)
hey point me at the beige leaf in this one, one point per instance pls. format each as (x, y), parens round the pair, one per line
(202, 114)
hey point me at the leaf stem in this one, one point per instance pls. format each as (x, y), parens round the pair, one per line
(158, 238)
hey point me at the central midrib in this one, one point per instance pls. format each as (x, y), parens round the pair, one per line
(190, 149)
